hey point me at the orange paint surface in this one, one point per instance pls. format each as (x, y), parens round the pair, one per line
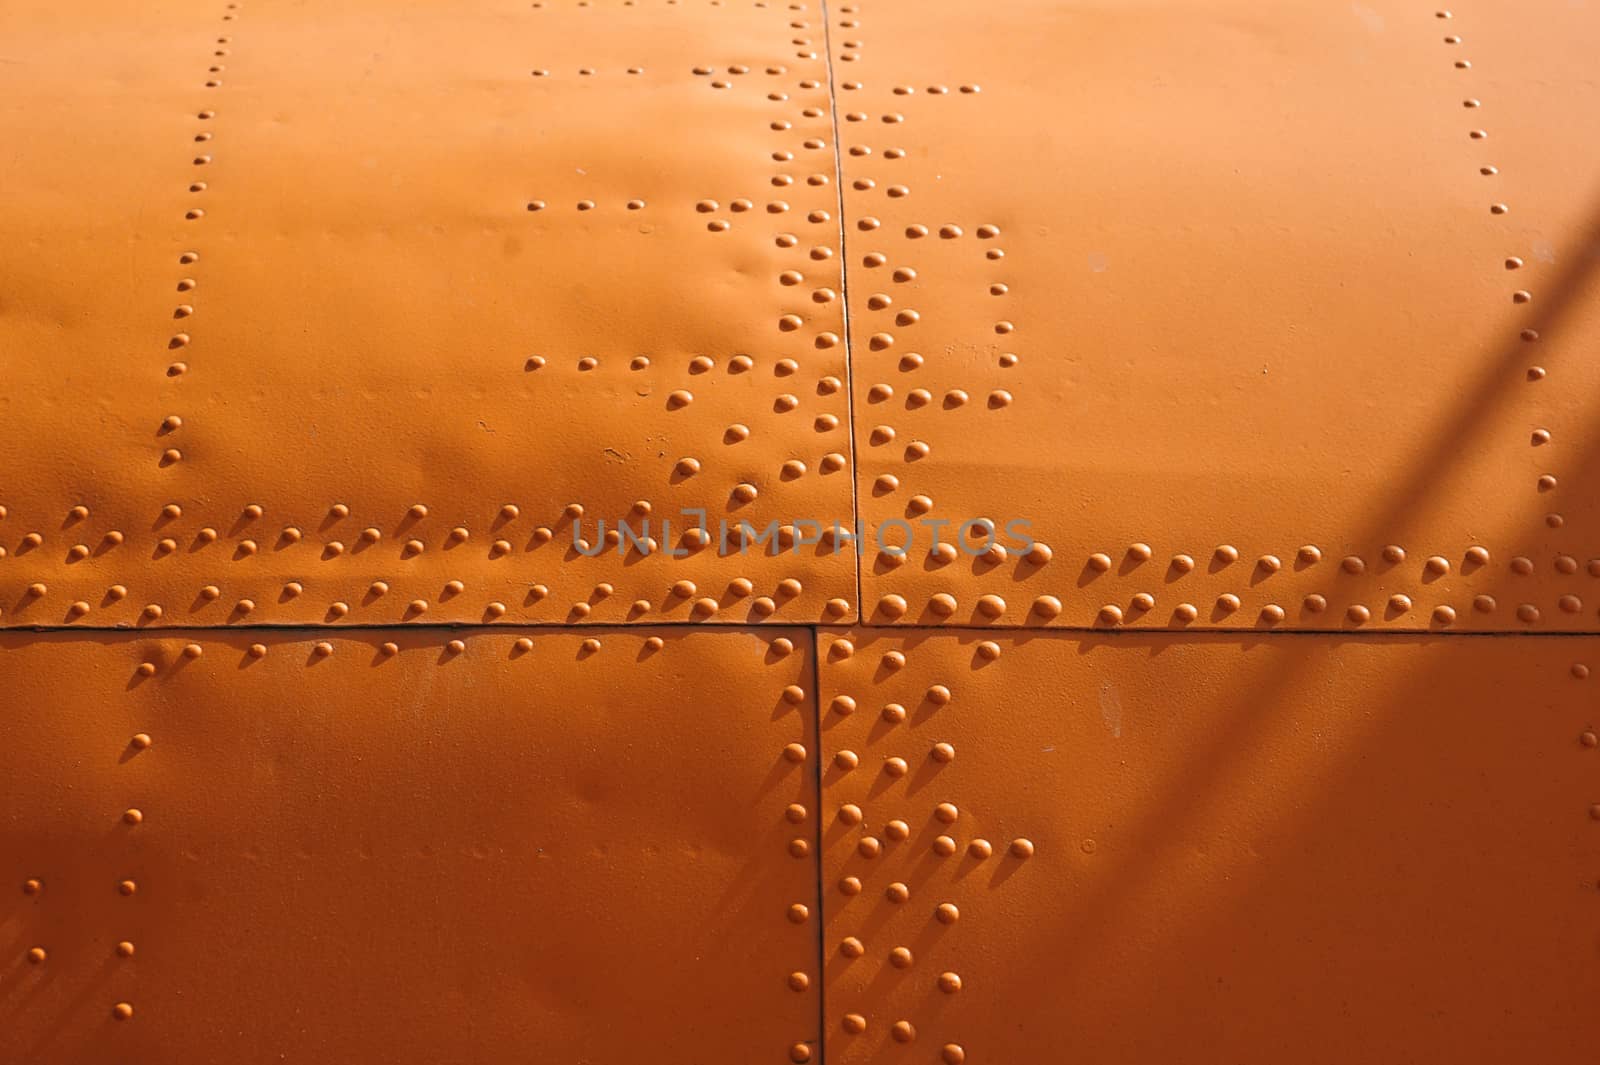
(340, 728)
(423, 855)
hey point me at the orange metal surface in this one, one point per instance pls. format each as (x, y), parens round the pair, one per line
(1227, 316)
(1117, 848)
(1253, 316)
(488, 853)
(308, 353)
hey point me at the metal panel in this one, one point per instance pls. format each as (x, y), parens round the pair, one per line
(408, 846)
(1231, 848)
(384, 309)
(1262, 315)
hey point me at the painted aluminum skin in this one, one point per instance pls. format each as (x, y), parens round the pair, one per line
(737, 531)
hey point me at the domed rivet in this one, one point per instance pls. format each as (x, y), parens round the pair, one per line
(952, 1054)
(125, 949)
(947, 813)
(127, 887)
(1021, 848)
(980, 849)
(322, 649)
(795, 752)
(850, 885)
(944, 846)
(37, 955)
(1047, 606)
(938, 695)
(903, 1031)
(122, 1011)
(1186, 612)
(949, 983)
(854, 1023)
(1358, 614)
(1227, 553)
(1227, 602)
(1352, 564)
(133, 816)
(799, 981)
(1399, 603)
(799, 1053)
(257, 650)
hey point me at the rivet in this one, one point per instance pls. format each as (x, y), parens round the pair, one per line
(122, 1011)
(980, 849)
(854, 1023)
(949, 983)
(125, 949)
(133, 816)
(1022, 848)
(127, 887)
(903, 1031)
(953, 1054)
(901, 958)
(850, 885)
